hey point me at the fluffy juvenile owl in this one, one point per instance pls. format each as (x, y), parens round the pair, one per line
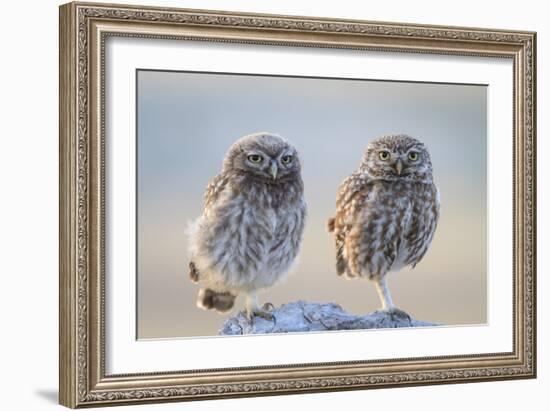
(250, 231)
(386, 212)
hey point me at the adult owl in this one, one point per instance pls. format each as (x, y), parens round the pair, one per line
(386, 212)
(249, 233)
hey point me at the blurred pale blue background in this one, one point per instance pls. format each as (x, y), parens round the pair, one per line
(187, 121)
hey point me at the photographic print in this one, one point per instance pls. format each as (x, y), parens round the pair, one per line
(275, 204)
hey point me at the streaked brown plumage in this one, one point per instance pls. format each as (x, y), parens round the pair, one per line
(386, 212)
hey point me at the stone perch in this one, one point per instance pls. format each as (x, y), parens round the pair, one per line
(303, 316)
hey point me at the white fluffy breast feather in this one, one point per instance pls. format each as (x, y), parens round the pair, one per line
(237, 246)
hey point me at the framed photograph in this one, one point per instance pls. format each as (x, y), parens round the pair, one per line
(261, 204)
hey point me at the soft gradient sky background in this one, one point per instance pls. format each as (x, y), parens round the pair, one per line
(186, 123)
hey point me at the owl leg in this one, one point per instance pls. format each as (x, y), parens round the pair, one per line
(387, 303)
(253, 308)
(383, 292)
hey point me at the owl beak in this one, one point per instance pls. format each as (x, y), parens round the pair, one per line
(399, 167)
(273, 169)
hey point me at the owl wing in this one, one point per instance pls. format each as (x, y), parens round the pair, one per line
(347, 205)
(428, 217)
(213, 191)
(211, 196)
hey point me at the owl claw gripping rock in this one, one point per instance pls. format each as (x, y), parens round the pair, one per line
(386, 212)
(250, 231)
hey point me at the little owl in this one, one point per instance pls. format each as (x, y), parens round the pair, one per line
(386, 212)
(250, 231)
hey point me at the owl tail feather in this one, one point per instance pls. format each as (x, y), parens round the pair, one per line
(212, 300)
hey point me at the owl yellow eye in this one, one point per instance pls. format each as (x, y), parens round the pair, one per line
(384, 155)
(413, 156)
(286, 159)
(255, 158)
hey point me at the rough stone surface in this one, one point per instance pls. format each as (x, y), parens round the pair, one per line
(303, 316)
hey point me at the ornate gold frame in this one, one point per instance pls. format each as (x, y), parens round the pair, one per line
(83, 30)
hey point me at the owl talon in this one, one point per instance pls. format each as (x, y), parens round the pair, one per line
(268, 306)
(260, 312)
(397, 314)
(266, 315)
